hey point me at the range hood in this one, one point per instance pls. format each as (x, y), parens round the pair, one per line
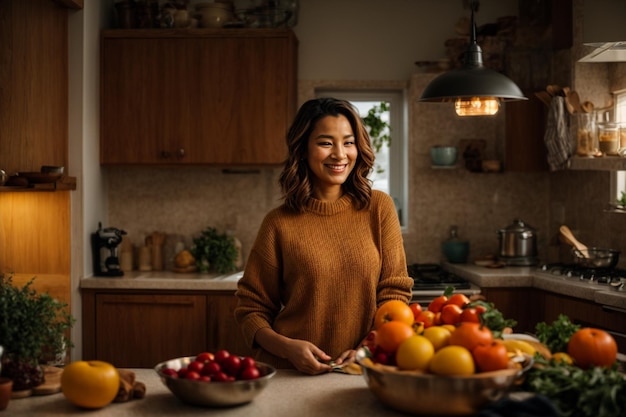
(606, 52)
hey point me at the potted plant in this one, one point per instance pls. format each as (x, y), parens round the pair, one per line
(214, 250)
(32, 325)
(378, 129)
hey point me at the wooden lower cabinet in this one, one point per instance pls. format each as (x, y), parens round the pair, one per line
(141, 329)
(514, 303)
(585, 313)
(530, 306)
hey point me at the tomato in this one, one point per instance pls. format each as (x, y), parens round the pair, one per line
(247, 362)
(491, 357)
(470, 314)
(90, 384)
(460, 300)
(592, 347)
(196, 366)
(394, 310)
(470, 335)
(416, 308)
(451, 314)
(205, 357)
(193, 375)
(452, 360)
(221, 355)
(427, 317)
(211, 368)
(391, 334)
(231, 365)
(169, 372)
(415, 353)
(437, 303)
(251, 372)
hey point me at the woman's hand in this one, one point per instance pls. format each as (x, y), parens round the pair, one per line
(346, 357)
(307, 357)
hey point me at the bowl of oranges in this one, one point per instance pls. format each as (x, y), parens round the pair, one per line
(436, 368)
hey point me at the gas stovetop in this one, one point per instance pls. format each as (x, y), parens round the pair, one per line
(434, 277)
(606, 276)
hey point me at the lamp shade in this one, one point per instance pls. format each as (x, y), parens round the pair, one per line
(472, 83)
(471, 80)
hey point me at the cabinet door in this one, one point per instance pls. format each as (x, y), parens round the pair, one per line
(145, 111)
(223, 331)
(514, 303)
(139, 331)
(215, 97)
(525, 128)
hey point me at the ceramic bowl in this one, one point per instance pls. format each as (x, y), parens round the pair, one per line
(213, 394)
(456, 252)
(443, 155)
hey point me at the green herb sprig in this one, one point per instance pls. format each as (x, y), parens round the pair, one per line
(214, 250)
(556, 335)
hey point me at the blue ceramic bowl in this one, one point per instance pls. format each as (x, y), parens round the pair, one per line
(456, 252)
(443, 155)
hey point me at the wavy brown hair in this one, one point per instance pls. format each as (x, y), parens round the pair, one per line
(295, 179)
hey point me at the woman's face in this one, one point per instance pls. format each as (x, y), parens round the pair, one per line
(331, 155)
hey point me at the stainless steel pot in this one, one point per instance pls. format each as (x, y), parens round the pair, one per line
(518, 241)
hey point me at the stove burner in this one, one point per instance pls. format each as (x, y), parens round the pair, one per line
(597, 275)
(434, 277)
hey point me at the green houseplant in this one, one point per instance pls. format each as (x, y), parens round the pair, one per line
(214, 250)
(32, 325)
(378, 129)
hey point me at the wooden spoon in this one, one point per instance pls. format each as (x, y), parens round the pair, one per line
(569, 237)
(574, 100)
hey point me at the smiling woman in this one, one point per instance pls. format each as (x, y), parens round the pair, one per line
(391, 168)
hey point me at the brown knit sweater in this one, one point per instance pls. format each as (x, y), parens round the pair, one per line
(320, 275)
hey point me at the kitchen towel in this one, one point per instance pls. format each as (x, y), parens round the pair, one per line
(557, 137)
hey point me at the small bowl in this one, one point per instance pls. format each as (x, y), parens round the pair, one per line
(427, 394)
(443, 155)
(213, 394)
(52, 169)
(456, 251)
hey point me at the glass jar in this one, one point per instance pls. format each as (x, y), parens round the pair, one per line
(586, 138)
(608, 138)
(622, 138)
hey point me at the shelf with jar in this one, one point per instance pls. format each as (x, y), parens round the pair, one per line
(36, 181)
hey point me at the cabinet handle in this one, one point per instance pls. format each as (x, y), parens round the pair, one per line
(181, 153)
(611, 308)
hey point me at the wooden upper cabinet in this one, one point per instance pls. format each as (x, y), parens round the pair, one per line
(220, 97)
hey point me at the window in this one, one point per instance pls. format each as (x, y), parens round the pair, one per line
(618, 180)
(390, 173)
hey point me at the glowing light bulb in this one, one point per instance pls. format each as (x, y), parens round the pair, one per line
(476, 106)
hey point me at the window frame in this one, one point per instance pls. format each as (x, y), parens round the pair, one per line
(398, 150)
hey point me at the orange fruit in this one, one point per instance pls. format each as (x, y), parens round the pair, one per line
(415, 353)
(439, 336)
(592, 347)
(452, 360)
(470, 335)
(460, 300)
(393, 310)
(391, 334)
(451, 314)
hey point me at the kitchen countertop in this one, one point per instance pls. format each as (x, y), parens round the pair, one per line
(163, 280)
(289, 393)
(532, 276)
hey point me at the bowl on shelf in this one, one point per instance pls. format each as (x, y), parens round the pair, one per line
(422, 393)
(443, 155)
(213, 394)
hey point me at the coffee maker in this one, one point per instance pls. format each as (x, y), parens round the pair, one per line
(104, 243)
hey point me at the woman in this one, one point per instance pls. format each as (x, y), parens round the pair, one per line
(329, 255)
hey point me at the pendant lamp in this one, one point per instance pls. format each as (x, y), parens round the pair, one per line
(474, 89)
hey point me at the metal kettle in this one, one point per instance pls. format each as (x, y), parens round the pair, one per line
(518, 244)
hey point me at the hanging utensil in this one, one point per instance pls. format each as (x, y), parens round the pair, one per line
(569, 238)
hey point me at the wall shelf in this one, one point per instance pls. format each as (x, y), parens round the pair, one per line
(63, 184)
(605, 163)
